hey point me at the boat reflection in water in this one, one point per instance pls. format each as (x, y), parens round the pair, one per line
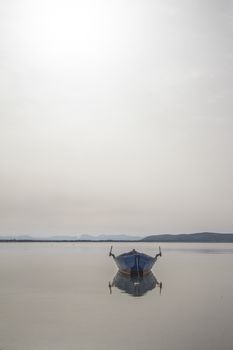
(135, 285)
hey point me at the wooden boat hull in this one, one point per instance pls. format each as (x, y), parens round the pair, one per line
(133, 263)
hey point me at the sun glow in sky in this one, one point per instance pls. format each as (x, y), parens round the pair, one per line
(116, 116)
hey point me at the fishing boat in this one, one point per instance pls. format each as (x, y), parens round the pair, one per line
(134, 262)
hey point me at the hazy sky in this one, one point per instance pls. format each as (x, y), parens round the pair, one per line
(116, 116)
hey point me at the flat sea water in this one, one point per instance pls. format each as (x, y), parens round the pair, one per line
(63, 296)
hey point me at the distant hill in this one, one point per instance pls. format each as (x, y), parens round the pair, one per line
(192, 237)
(103, 237)
(37, 238)
(188, 237)
(64, 238)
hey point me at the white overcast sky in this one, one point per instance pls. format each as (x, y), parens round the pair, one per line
(116, 116)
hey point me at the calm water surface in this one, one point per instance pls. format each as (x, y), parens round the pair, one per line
(57, 296)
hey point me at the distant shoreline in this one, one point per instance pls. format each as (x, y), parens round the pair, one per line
(203, 237)
(63, 241)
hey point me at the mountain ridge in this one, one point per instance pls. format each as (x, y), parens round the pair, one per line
(71, 238)
(200, 237)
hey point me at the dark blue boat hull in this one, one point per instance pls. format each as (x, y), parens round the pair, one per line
(133, 263)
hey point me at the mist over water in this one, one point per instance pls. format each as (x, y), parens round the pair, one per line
(57, 296)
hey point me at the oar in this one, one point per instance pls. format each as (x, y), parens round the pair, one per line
(110, 253)
(160, 251)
